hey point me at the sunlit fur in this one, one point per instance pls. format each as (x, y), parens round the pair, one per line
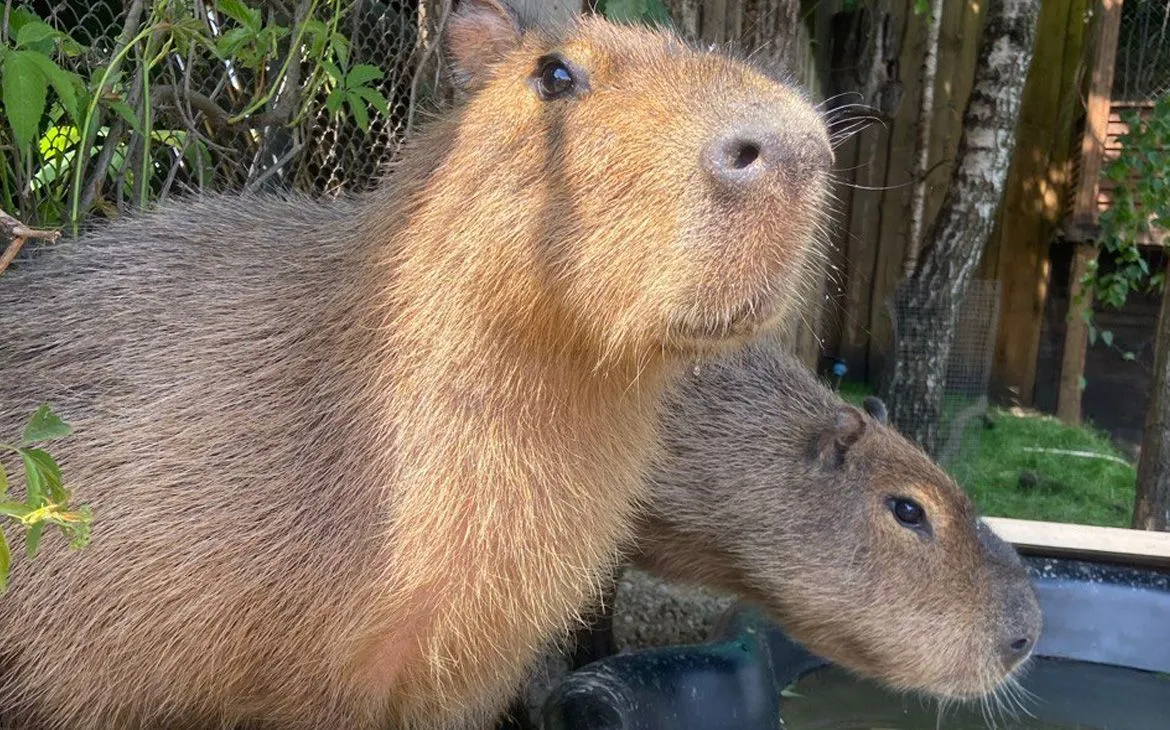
(772, 487)
(353, 462)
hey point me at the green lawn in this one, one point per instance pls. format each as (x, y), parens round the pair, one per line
(1006, 479)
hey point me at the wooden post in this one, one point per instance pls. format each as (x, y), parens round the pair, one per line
(1076, 337)
(1084, 213)
(1083, 219)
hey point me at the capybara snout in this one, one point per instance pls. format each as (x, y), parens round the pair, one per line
(750, 156)
(1021, 621)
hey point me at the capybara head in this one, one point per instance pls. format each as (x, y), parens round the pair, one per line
(859, 545)
(683, 189)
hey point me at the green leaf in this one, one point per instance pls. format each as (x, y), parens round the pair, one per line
(333, 101)
(34, 484)
(357, 107)
(340, 46)
(45, 426)
(375, 99)
(5, 562)
(17, 510)
(123, 110)
(1081, 382)
(1128, 356)
(228, 43)
(240, 13)
(25, 88)
(651, 12)
(362, 74)
(1107, 337)
(57, 141)
(50, 473)
(32, 539)
(62, 81)
(34, 32)
(332, 70)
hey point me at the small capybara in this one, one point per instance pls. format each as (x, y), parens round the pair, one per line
(352, 462)
(774, 488)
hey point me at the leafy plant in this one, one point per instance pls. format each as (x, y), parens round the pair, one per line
(47, 501)
(1140, 208)
(650, 12)
(82, 129)
(352, 89)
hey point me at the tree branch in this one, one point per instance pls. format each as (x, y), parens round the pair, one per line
(18, 233)
(216, 115)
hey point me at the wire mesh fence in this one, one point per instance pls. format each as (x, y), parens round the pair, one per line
(315, 95)
(1142, 72)
(968, 375)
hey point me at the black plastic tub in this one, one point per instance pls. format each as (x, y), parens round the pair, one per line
(1102, 663)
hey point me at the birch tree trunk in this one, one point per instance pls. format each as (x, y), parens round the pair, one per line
(927, 301)
(1152, 506)
(922, 139)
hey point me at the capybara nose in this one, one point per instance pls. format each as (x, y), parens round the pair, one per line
(745, 156)
(1016, 650)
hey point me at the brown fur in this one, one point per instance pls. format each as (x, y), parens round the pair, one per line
(352, 463)
(774, 488)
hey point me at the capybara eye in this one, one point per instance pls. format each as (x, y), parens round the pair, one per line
(908, 512)
(553, 78)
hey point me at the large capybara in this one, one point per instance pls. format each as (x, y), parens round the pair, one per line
(774, 488)
(352, 463)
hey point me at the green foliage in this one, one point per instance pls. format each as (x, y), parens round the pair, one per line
(1141, 203)
(79, 126)
(352, 89)
(650, 12)
(46, 501)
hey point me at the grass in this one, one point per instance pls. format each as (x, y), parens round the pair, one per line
(1007, 479)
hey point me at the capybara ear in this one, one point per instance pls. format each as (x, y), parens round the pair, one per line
(876, 408)
(478, 35)
(832, 444)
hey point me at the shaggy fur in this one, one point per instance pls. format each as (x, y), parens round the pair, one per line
(774, 488)
(352, 463)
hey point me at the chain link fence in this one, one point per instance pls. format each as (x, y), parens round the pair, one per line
(231, 95)
(1143, 51)
(968, 377)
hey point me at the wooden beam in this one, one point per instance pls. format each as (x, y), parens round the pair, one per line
(1085, 542)
(1104, 60)
(1076, 337)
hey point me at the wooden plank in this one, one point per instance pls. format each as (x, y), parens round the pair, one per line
(714, 23)
(1085, 542)
(1076, 339)
(1035, 194)
(1097, 112)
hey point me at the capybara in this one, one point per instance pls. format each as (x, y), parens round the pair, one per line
(351, 463)
(774, 488)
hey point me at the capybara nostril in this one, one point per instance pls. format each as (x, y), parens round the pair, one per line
(747, 157)
(1016, 651)
(746, 154)
(738, 157)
